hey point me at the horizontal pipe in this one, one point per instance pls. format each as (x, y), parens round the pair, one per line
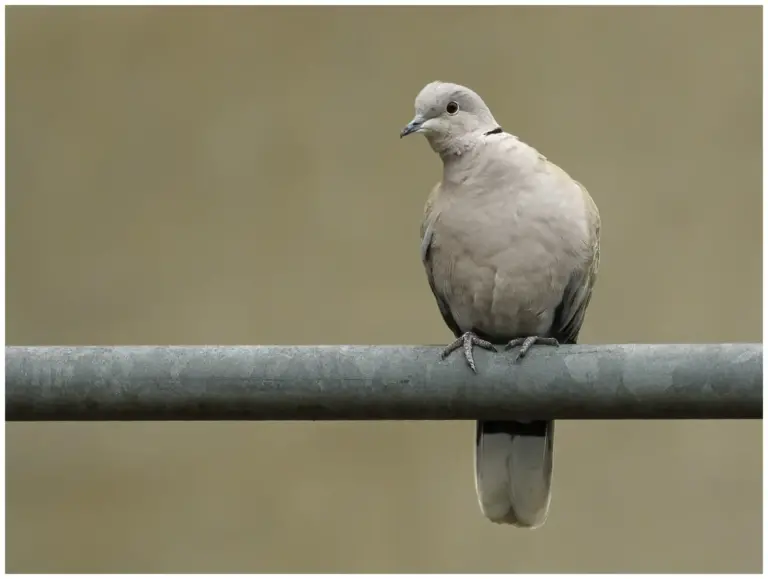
(667, 381)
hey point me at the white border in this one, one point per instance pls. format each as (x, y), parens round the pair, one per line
(454, 3)
(401, 3)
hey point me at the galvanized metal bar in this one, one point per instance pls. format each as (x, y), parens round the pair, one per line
(667, 381)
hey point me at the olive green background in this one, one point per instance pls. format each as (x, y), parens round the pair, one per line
(234, 176)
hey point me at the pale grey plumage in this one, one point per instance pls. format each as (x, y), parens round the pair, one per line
(510, 245)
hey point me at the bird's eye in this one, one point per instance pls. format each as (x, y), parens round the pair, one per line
(452, 108)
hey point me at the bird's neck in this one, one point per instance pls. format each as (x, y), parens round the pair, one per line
(451, 145)
(464, 135)
(491, 156)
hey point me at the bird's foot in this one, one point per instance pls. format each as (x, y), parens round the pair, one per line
(526, 343)
(468, 340)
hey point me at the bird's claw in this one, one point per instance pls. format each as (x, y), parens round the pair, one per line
(468, 340)
(526, 343)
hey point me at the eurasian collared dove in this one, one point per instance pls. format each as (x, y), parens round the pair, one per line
(510, 244)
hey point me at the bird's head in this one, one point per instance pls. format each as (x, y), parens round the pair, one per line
(449, 115)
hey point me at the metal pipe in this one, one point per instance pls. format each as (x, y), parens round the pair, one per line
(630, 381)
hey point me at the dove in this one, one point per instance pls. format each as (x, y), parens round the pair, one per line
(511, 247)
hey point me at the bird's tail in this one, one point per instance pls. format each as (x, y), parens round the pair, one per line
(513, 471)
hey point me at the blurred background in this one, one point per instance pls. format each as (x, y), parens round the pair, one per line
(214, 175)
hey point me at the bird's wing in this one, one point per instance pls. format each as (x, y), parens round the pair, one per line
(569, 315)
(427, 229)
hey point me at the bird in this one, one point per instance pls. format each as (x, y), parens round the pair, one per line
(511, 247)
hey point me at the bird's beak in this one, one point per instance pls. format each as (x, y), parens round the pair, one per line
(412, 127)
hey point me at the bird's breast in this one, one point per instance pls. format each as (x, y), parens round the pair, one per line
(502, 266)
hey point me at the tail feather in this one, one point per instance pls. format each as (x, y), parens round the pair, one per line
(514, 471)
